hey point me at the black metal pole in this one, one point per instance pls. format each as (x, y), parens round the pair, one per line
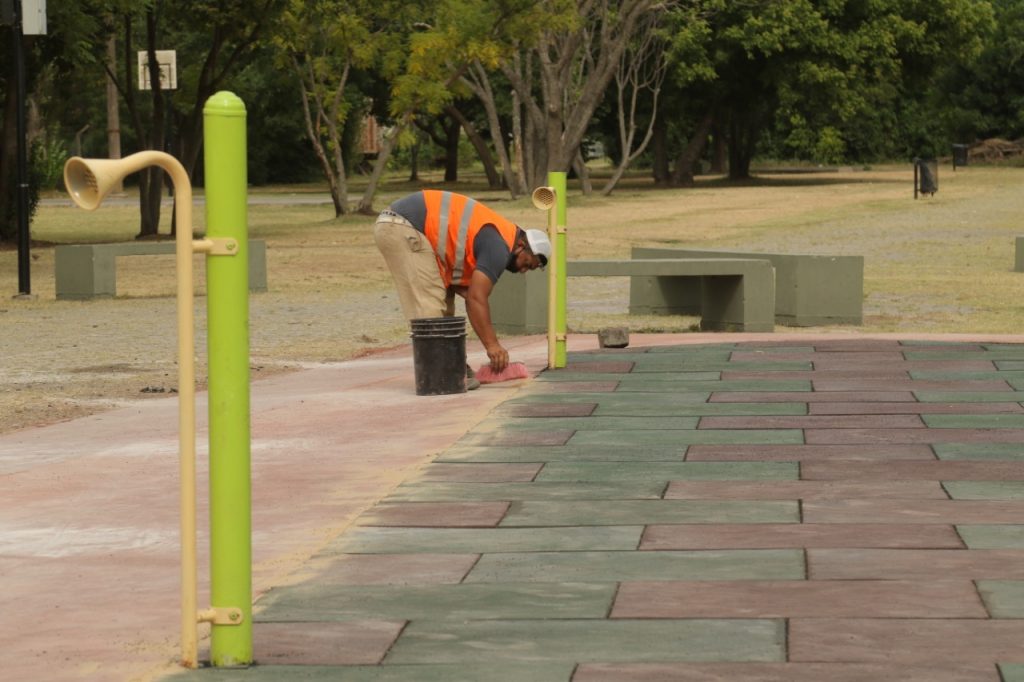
(24, 278)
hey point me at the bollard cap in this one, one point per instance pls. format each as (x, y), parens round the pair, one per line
(224, 103)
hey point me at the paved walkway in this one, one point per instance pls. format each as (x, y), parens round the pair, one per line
(755, 507)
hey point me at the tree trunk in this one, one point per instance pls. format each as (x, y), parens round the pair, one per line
(659, 152)
(683, 174)
(719, 149)
(113, 110)
(482, 152)
(742, 141)
(387, 145)
(452, 133)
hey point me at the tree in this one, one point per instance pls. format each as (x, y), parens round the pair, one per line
(573, 59)
(323, 42)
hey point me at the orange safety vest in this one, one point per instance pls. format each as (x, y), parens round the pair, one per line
(453, 221)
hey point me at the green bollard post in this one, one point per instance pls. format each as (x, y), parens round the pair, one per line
(227, 301)
(557, 181)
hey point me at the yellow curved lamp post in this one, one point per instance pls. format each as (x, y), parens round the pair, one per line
(88, 181)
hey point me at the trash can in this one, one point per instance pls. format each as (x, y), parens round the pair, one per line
(926, 176)
(959, 155)
(439, 355)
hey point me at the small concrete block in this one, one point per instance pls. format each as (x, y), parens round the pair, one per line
(798, 535)
(798, 599)
(613, 337)
(362, 642)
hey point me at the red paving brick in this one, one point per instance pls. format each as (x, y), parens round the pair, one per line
(799, 599)
(913, 408)
(436, 514)
(906, 641)
(320, 643)
(481, 473)
(797, 535)
(809, 453)
(915, 564)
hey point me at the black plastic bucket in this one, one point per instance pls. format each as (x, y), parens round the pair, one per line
(439, 355)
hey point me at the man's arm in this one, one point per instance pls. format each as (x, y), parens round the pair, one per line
(478, 309)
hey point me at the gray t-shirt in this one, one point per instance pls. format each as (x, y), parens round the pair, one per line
(490, 250)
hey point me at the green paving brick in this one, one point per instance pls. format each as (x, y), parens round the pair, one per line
(985, 490)
(1012, 672)
(966, 376)
(1003, 598)
(1010, 365)
(625, 408)
(669, 471)
(707, 365)
(442, 492)
(979, 451)
(974, 421)
(508, 671)
(479, 540)
(604, 640)
(645, 512)
(992, 536)
(970, 396)
(481, 601)
(665, 382)
(734, 564)
(563, 375)
(699, 436)
(563, 453)
(586, 423)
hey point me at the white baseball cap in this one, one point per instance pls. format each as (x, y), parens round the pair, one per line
(539, 244)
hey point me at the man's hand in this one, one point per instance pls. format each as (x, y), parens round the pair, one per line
(479, 312)
(498, 357)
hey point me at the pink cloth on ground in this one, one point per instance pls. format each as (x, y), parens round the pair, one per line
(515, 370)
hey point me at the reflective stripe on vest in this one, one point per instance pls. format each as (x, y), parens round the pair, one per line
(447, 211)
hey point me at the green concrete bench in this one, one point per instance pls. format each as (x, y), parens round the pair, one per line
(735, 294)
(1018, 261)
(810, 290)
(85, 271)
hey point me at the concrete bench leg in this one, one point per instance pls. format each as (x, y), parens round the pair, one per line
(83, 272)
(739, 303)
(664, 295)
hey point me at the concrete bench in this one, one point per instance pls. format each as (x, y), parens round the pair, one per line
(1018, 255)
(735, 294)
(85, 271)
(810, 290)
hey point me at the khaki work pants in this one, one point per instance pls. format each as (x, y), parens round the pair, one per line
(413, 266)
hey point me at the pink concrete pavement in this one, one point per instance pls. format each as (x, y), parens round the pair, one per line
(89, 547)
